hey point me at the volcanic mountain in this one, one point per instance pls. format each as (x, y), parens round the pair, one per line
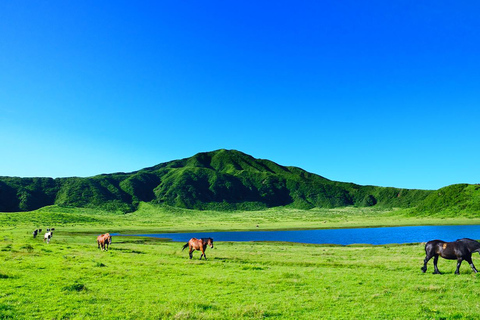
(219, 180)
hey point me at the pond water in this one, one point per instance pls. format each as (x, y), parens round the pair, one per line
(375, 236)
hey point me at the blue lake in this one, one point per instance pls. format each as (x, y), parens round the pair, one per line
(376, 236)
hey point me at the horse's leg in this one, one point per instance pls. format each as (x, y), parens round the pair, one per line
(469, 260)
(473, 267)
(459, 263)
(203, 252)
(190, 253)
(425, 261)
(435, 261)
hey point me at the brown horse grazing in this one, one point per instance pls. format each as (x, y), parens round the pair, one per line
(459, 250)
(104, 240)
(198, 244)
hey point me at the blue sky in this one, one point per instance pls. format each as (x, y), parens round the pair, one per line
(377, 93)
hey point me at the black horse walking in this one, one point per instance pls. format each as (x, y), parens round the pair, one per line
(459, 250)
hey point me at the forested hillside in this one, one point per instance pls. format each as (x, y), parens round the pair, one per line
(222, 180)
(456, 200)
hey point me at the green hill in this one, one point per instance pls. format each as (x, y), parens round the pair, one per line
(457, 199)
(222, 180)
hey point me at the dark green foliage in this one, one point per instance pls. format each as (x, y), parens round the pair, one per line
(220, 180)
(8, 197)
(78, 287)
(6, 311)
(99, 191)
(22, 194)
(461, 199)
(140, 186)
(369, 201)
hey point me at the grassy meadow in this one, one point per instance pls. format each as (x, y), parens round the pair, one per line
(143, 278)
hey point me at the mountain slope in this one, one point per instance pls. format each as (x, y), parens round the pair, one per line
(460, 199)
(222, 179)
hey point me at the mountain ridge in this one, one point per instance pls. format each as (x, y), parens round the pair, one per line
(221, 180)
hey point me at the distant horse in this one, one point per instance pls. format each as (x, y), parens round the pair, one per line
(104, 240)
(35, 233)
(48, 236)
(198, 244)
(459, 250)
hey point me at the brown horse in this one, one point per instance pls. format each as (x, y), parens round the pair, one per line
(198, 244)
(459, 250)
(104, 240)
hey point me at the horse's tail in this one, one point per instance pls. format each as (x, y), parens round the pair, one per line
(186, 245)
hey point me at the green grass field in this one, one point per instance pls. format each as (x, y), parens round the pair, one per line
(150, 279)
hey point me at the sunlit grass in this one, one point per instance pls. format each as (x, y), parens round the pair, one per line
(71, 278)
(164, 219)
(150, 279)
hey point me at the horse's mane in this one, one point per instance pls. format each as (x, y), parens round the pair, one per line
(473, 245)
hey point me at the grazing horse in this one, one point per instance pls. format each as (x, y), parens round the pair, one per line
(459, 250)
(104, 240)
(48, 236)
(198, 244)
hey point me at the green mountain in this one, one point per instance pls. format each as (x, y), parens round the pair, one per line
(460, 199)
(222, 179)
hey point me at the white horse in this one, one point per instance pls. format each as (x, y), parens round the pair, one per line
(48, 236)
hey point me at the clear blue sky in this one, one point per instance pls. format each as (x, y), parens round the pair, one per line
(377, 93)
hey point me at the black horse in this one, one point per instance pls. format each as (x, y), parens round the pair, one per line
(459, 250)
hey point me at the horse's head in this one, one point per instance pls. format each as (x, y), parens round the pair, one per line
(210, 242)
